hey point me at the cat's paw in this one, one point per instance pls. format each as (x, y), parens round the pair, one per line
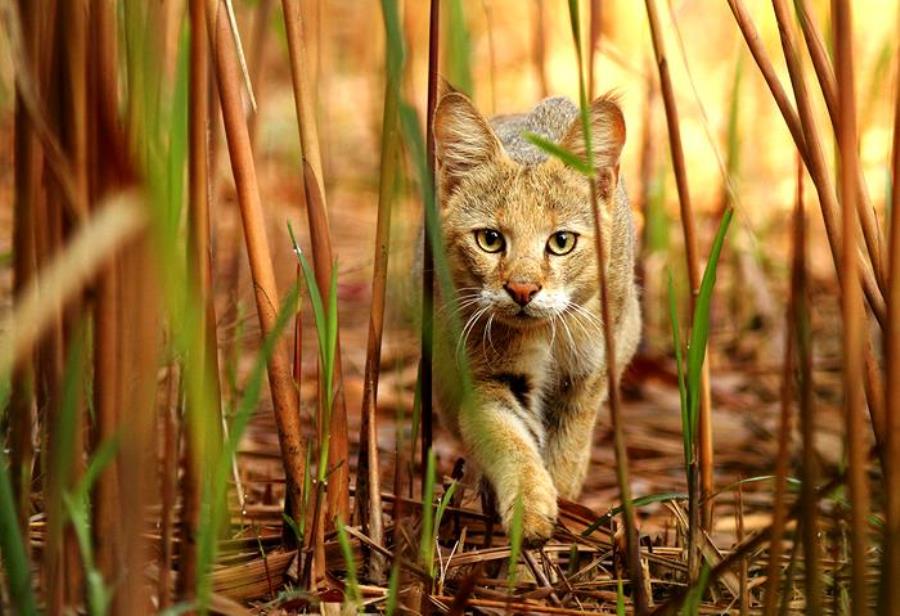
(539, 511)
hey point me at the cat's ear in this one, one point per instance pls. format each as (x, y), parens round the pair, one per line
(607, 139)
(463, 139)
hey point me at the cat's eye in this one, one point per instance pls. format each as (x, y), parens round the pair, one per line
(489, 240)
(562, 243)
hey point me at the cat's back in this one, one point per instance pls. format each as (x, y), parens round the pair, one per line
(550, 119)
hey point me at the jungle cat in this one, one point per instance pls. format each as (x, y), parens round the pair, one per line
(519, 236)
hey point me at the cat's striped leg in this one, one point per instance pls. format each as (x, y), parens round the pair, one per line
(505, 441)
(570, 432)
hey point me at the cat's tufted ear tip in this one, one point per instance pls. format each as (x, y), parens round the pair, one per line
(463, 138)
(608, 132)
(445, 88)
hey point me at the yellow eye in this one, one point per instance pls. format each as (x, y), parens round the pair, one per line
(489, 240)
(562, 242)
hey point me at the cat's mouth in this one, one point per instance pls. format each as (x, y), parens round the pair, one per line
(523, 318)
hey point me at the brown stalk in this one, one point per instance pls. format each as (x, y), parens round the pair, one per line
(425, 366)
(808, 505)
(492, 51)
(284, 395)
(27, 179)
(744, 566)
(107, 163)
(138, 341)
(852, 308)
(256, 61)
(33, 69)
(803, 130)
(596, 31)
(72, 67)
(138, 353)
(825, 75)
(890, 591)
(168, 479)
(782, 457)
(368, 483)
(63, 275)
(539, 55)
(632, 545)
(705, 444)
(825, 189)
(320, 239)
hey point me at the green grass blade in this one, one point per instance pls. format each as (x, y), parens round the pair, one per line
(214, 501)
(426, 544)
(15, 556)
(620, 598)
(390, 606)
(686, 425)
(442, 506)
(515, 543)
(557, 151)
(695, 595)
(315, 297)
(641, 501)
(700, 324)
(352, 593)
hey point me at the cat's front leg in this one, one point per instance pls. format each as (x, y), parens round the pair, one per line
(571, 431)
(504, 437)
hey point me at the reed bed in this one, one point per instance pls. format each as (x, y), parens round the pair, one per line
(216, 375)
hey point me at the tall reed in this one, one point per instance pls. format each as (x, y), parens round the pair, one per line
(368, 484)
(320, 239)
(890, 591)
(284, 394)
(852, 308)
(704, 440)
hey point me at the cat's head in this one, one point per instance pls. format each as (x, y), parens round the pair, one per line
(520, 238)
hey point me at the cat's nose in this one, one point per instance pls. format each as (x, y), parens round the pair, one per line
(522, 292)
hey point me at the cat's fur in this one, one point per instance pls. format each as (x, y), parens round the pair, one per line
(539, 378)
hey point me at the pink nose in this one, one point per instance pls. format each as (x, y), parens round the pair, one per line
(522, 292)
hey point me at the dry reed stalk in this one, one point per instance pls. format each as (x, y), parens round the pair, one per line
(539, 55)
(284, 394)
(168, 480)
(69, 117)
(107, 159)
(63, 276)
(782, 457)
(139, 346)
(705, 444)
(744, 566)
(808, 505)
(804, 133)
(632, 544)
(492, 51)
(852, 308)
(425, 366)
(890, 590)
(368, 482)
(818, 170)
(320, 239)
(27, 180)
(825, 75)
(255, 63)
(32, 76)
(596, 31)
